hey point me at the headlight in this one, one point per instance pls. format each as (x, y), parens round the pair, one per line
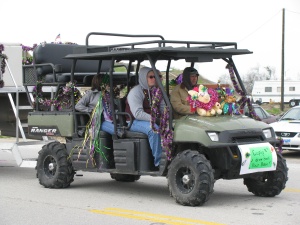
(267, 133)
(213, 136)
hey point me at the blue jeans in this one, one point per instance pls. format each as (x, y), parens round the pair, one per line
(153, 138)
(107, 127)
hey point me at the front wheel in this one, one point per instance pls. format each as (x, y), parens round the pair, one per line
(269, 184)
(190, 178)
(54, 168)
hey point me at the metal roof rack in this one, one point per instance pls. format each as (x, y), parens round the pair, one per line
(197, 51)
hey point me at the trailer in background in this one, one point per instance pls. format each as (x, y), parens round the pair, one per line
(268, 91)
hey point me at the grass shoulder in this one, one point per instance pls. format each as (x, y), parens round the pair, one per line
(275, 108)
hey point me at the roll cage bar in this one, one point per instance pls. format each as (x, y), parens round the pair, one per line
(191, 51)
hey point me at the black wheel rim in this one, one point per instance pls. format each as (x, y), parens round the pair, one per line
(185, 180)
(50, 166)
(263, 179)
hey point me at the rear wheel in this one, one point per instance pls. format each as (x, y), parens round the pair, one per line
(124, 177)
(190, 178)
(292, 103)
(271, 183)
(54, 168)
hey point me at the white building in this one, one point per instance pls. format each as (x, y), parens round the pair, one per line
(270, 91)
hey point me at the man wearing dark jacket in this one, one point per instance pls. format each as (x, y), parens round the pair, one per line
(180, 93)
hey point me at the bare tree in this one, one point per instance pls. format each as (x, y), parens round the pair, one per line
(254, 74)
(225, 79)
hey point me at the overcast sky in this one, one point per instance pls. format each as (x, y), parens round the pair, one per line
(254, 24)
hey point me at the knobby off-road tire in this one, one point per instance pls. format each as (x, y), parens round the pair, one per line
(269, 183)
(124, 177)
(190, 178)
(54, 168)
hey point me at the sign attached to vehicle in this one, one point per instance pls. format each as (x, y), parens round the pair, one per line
(257, 158)
(286, 140)
(43, 130)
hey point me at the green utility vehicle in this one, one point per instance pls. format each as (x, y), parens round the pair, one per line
(197, 150)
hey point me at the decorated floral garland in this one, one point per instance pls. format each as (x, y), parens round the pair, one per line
(27, 58)
(61, 101)
(3, 57)
(166, 133)
(155, 109)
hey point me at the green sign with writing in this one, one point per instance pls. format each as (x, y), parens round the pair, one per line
(261, 157)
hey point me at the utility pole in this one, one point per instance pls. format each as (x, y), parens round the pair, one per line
(282, 61)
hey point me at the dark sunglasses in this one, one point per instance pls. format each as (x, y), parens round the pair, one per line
(151, 77)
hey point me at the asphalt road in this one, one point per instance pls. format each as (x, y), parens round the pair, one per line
(94, 198)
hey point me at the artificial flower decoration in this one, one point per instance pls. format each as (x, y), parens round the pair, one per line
(177, 80)
(204, 101)
(27, 57)
(228, 100)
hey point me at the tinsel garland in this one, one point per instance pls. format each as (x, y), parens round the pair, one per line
(243, 100)
(89, 134)
(96, 125)
(106, 106)
(92, 138)
(280, 144)
(195, 103)
(166, 133)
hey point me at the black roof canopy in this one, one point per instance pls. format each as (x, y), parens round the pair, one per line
(165, 50)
